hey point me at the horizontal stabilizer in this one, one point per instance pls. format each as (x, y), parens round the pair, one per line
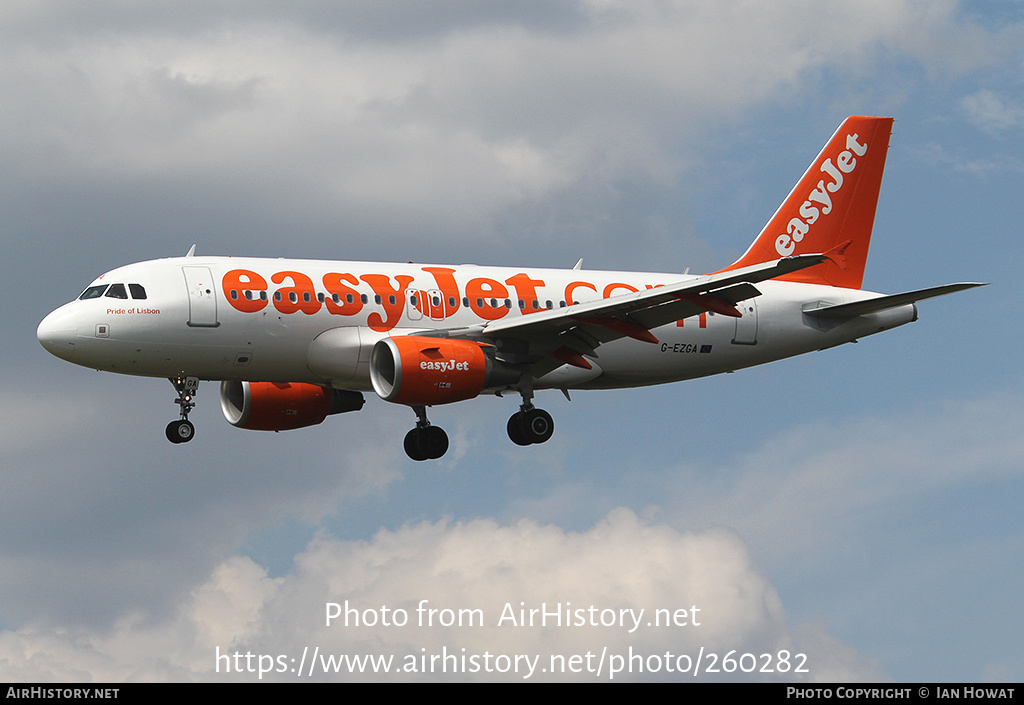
(881, 303)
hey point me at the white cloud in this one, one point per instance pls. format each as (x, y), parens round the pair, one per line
(992, 113)
(619, 564)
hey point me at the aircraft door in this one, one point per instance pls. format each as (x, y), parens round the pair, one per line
(415, 307)
(430, 303)
(746, 325)
(202, 303)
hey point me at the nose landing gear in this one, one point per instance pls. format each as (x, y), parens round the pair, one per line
(182, 430)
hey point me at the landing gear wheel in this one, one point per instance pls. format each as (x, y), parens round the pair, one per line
(180, 431)
(529, 427)
(412, 445)
(434, 441)
(515, 429)
(426, 443)
(538, 425)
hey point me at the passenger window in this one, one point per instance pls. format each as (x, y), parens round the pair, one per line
(137, 291)
(93, 292)
(117, 291)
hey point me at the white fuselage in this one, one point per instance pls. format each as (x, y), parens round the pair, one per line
(280, 320)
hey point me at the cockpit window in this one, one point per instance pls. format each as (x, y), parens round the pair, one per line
(93, 292)
(117, 291)
(114, 291)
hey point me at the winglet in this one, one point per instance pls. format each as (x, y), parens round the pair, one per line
(191, 251)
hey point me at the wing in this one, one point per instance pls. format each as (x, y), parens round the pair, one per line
(545, 340)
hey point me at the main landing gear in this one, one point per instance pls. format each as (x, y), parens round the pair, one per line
(182, 430)
(530, 425)
(425, 442)
(527, 426)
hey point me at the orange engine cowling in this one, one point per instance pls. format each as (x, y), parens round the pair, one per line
(416, 370)
(275, 406)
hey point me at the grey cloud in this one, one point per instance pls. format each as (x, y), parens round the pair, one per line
(454, 138)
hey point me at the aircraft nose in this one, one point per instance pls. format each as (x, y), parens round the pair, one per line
(57, 333)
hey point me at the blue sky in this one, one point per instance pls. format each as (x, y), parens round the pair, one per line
(859, 505)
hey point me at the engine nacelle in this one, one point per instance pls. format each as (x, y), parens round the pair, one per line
(273, 406)
(416, 370)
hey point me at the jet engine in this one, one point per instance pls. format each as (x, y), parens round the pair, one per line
(274, 406)
(417, 370)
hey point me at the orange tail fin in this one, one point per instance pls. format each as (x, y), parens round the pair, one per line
(834, 203)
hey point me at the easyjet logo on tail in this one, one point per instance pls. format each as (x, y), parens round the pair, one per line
(819, 200)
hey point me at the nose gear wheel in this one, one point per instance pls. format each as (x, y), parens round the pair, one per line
(182, 430)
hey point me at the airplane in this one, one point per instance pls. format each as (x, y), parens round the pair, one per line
(294, 341)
